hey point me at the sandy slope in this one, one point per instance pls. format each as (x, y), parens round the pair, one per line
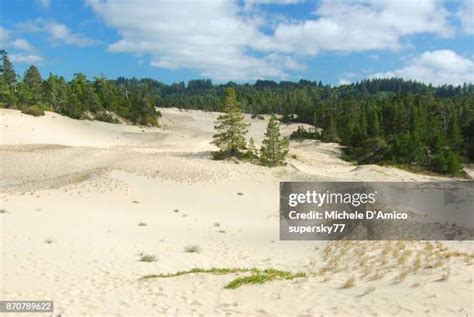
(85, 186)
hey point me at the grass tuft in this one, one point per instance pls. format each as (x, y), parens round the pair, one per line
(349, 283)
(192, 248)
(261, 277)
(3, 211)
(147, 258)
(48, 240)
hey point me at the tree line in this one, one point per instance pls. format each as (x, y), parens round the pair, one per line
(79, 98)
(383, 121)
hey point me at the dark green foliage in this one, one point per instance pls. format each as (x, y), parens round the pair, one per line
(33, 110)
(330, 133)
(374, 150)
(231, 129)
(390, 121)
(133, 100)
(469, 140)
(6, 70)
(252, 152)
(274, 148)
(301, 133)
(420, 131)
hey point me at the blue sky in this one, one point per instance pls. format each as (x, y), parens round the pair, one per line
(332, 41)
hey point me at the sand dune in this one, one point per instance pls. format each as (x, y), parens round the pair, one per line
(75, 193)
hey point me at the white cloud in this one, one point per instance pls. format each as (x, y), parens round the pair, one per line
(26, 58)
(226, 40)
(61, 32)
(44, 3)
(209, 36)
(18, 43)
(58, 32)
(344, 82)
(22, 44)
(4, 35)
(466, 15)
(435, 67)
(353, 26)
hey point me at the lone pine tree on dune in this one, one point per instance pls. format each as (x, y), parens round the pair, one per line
(274, 147)
(231, 128)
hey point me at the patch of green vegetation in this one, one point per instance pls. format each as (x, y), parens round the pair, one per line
(33, 110)
(257, 276)
(301, 134)
(261, 277)
(147, 258)
(193, 248)
(105, 117)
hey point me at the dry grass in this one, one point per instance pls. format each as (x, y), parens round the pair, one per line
(349, 283)
(49, 240)
(373, 260)
(147, 258)
(192, 248)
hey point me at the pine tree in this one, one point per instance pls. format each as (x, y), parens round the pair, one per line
(231, 128)
(55, 92)
(7, 71)
(33, 82)
(252, 151)
(455, 134)
(329, 133)
(373, 124)
(274, 147)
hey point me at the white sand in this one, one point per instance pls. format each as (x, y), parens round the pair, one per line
(87, 185)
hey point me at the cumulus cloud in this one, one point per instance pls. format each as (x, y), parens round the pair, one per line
(22, 44)
(26, 58)
(352, 26)
(61, 32)
(58, 32)
(225, 40)
(436, 67)
(466, 15)
(208, 36)
(18, 43)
